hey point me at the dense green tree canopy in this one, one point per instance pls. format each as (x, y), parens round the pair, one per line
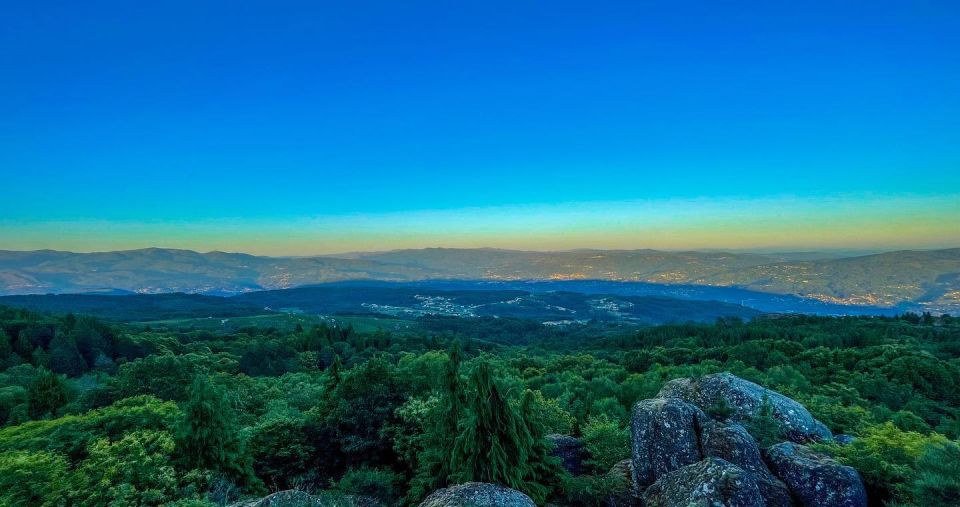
(135, 414)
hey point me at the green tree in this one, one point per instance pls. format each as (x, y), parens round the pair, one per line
(548, 415)
(13, 404)
(764, 427)
(886, 458)
(383, 485)
(65, 358)
(334, 372)
(207, 436)
(46, 394)
(281, 452)
(32, 478)
(362, 405)
(606, 442)
(439, 431)
(452, 390)
(541, 469)
(495, 445)
(135, 470)
(938, 475)
(6, 351)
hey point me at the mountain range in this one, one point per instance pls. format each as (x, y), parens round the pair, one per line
(928, 280)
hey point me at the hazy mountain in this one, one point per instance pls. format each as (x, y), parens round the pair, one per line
(158, 270)
(931, 278)
(928, 278)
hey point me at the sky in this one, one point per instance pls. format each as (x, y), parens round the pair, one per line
(298, 128)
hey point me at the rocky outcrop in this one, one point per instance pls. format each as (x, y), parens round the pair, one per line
(683, 457)
(745, 399)
(731, 442)
(709, 482)
(814, 479)
(665, 437)
(570, 451)
(477, 494)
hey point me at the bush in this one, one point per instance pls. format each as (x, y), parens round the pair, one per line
(281, 452)
(606, 442)
(938, 475)
(71, 434)
(135, 470)
(383, 485)
(886, 458)
(591, 491)
(31, 478)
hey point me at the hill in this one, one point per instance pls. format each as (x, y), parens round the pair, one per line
(924, 280)
(397, 300)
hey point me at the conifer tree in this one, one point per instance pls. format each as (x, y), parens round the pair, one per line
(207, 436)
(495, 444)
(46, 394)
(334, 374)
(541, 468)
(764, 427)
(453, 392)
(440, 432)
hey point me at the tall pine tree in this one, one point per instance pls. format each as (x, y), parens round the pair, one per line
(440, 432)
(495, 444)
(207, 436)
(453, 394)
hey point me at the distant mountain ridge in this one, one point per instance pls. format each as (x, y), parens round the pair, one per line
(929, 279)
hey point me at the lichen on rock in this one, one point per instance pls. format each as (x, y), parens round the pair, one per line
(665, 437)
(814, 479)
(709, 482)
(745, 400)
(477, 494)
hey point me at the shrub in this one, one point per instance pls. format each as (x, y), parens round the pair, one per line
(31, 478)
(606, 442)
(371, 482)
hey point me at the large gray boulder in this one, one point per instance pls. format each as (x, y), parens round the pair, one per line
(570, 451)
(745, 399)
(664, 438)
(731, 442)
(477, 494)
(711, 482)
(816, 480)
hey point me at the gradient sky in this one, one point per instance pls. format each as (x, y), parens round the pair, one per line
(317, 127)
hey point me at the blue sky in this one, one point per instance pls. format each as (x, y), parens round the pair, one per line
(136, 124)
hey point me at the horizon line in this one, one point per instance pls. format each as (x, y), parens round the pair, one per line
(857, 252)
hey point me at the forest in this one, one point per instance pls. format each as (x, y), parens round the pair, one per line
(96, 412)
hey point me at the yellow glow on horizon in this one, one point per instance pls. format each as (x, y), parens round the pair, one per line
(775, 223)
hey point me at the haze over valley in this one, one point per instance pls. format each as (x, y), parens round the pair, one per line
(904, 280)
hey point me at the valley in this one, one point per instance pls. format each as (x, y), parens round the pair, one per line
(816, 283)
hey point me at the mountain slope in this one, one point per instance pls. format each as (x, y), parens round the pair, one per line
(930, 279)
(887, 279)
(157, 270)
